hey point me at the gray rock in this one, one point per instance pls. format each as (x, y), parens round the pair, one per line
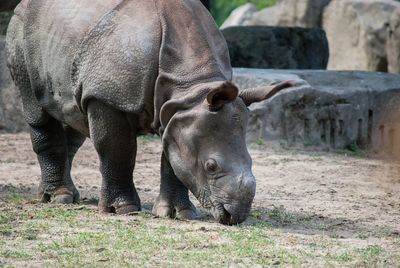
(363, 34)
(330, 109)
(299, 13)
(393, 42)
(277, 47)
(11, 119)
(240, 16)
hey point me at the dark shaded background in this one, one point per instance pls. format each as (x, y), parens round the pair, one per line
(8, 5)
(206, 3)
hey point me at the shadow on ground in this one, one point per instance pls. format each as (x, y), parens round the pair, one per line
(314, 224)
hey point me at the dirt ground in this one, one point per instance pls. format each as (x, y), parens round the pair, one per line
(348, 190)
(356, 199)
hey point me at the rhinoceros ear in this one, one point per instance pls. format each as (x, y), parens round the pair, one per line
(225, 93)
(252, 95)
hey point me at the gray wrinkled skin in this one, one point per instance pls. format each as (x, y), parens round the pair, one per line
(113, 70)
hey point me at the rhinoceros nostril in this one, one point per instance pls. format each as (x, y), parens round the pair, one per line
(230, 215)
(246, 181)
(225, 217)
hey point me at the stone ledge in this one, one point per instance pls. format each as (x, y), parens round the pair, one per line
(329, 109)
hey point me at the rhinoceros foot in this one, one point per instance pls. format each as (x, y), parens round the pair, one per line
(61, 195)
(122, 203)
(180, 210)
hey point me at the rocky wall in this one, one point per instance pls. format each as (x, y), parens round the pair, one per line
(328, 109)
(277, 47)
(362, 34)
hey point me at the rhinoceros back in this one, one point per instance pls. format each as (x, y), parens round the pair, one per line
(133, 55)
(77, 50)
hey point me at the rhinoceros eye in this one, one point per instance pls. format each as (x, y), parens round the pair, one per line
(211, 166)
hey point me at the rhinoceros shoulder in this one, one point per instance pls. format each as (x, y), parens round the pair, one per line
(117, 62)
(21, 8)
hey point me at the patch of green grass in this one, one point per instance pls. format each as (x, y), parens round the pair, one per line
(13, 195)
(150, 137)
(8, 161)
(282, 216)
(15, 255)
(5, 218)
(30, 235)
(340, 257)
(221, 9)
(256, 213)
(260, 141)
(311, 143)
(284, 145)
(55, 213)
(353, 150)
(72, 236)
(16, 198)
(317, 159)
(370, 252)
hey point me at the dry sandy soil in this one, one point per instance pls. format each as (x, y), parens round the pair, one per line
(353, 199)
(349, 190)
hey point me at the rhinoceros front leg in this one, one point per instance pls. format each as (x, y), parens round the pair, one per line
(173, 200)
(55, 148)
(114, 138)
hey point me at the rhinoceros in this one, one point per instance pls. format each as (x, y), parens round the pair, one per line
(113, 70)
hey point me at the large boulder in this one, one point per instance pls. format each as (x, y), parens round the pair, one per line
(358, 30)
(330, 109)
(300, 13)
(277, 47)
(362, 34)
(393, 42)
(240, 16)
(11, 119)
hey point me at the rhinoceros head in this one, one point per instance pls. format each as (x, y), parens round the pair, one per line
(204, 141)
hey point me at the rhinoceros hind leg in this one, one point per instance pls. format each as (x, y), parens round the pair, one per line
(173, 200)
(74, 141)
(48, 136)
(114, 138)
(49, 141)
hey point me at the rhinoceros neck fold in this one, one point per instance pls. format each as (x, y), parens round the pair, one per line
(193, 51)
(192, 48)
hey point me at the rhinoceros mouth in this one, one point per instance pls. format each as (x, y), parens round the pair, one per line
(221, 209)
(216, 208)
(222, 216)
(230, 214)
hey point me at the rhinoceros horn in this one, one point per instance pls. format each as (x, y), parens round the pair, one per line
(252, 95)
